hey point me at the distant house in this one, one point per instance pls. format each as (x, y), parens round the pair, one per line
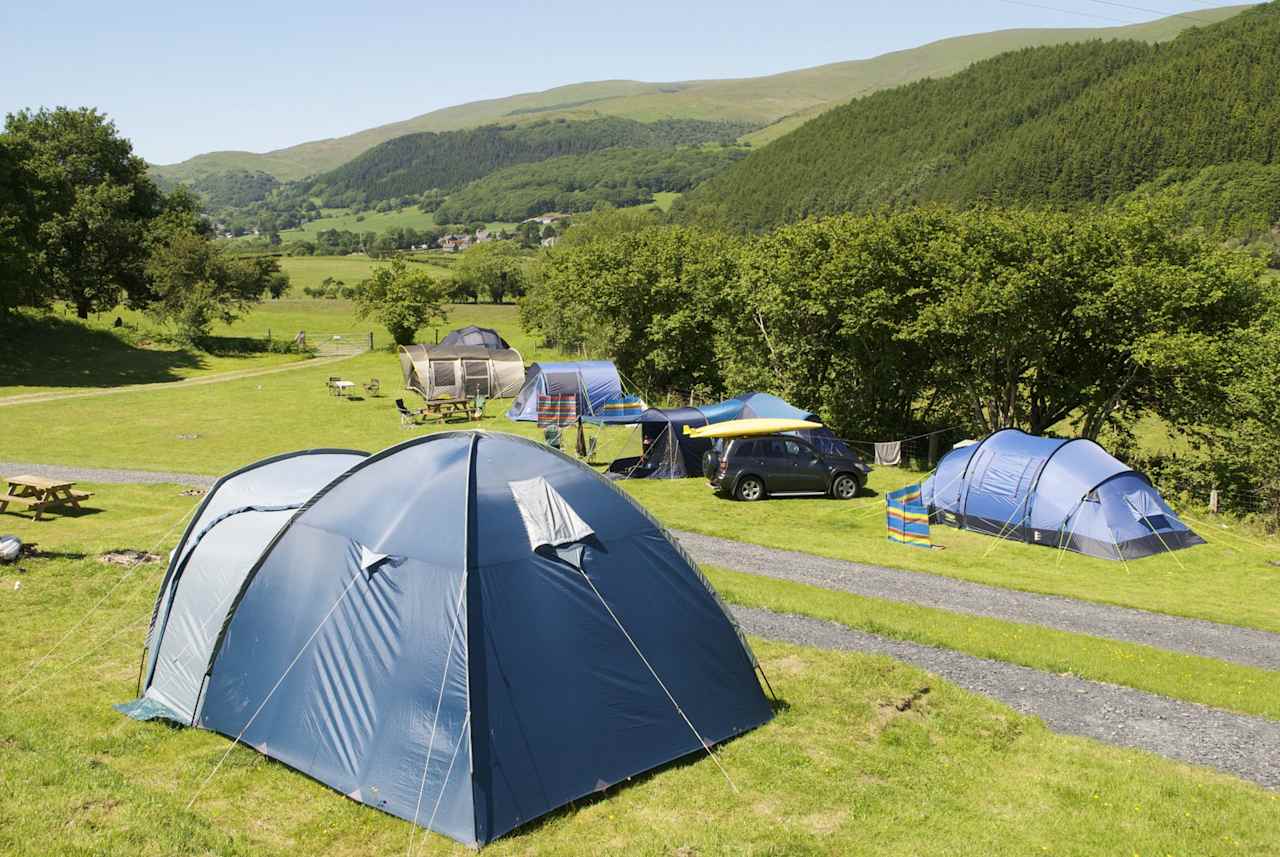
(544, 219)
(483, 235)
(454, 243)
(551, 241)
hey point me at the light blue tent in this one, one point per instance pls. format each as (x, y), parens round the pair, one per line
(754, 405)
(1068, 494)
(768, 406)
(594, 382)
(467, 631)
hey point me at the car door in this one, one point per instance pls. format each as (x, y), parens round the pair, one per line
(809, 472)
(779, 466)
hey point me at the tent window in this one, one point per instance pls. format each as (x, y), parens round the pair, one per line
(442, 374)
(475, 374)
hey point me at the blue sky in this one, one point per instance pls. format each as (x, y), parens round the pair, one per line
(184, 78)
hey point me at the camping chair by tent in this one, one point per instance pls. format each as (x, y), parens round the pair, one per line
(477, 406)
(407, 417)
(553, 435)
(374, 387)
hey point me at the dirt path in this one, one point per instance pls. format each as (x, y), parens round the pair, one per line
(1174, 633)
(1244, 746)
(218, 378)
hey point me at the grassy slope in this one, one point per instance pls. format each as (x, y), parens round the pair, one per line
(372, 221)
(839, 771)
(63, 354)
(759, 99)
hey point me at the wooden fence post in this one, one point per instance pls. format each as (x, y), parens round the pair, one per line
(371, 340)
(1213, 501)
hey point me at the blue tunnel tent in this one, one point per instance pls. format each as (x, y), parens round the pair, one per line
(666, 452)
(595, 383)
(1068, 494)
(483, 337)
(467, 631)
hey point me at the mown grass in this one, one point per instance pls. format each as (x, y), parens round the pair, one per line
(1248, 690)
(1227, 580)
(840, 770)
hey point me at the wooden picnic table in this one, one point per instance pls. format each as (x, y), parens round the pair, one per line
(38, 493)
(444, 408)
(340, 387)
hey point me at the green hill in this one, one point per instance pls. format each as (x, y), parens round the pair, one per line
(415, 163)
(800, 94)
(620, 177)
(1060, 125)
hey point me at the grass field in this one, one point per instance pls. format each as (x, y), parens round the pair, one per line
(841, 769)
(370, 221)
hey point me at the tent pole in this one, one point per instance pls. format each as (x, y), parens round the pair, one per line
(772, 695)
(141, 663)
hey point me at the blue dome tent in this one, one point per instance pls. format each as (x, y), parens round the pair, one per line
(1068, 494)
(467, 631)
(594, 384)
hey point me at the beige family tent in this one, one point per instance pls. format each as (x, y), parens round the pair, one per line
(461, 371)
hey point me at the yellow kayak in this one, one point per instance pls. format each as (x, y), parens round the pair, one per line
(749, 428)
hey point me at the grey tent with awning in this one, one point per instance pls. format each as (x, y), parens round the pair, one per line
(461, 371)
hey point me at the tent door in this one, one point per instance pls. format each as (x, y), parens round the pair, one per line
(475, 378)
(444, 378)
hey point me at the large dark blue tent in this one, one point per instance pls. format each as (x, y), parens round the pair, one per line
(467, 631)
(1068, 494)
(666, 452)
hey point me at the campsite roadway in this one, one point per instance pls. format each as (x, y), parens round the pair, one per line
(1237, 744)
(1246, 646)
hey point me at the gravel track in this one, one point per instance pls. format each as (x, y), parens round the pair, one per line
(1246, 747)
(105, 475)
(1246, 646)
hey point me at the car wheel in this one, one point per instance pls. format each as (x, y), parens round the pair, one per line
(750, 489)
(844, 487)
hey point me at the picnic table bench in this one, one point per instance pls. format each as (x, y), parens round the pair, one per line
(444, 408)
(37, 494)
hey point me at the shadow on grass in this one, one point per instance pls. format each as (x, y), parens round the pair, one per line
(50, 351)
(47, 351)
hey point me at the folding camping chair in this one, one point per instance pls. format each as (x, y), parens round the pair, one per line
(408, 418)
